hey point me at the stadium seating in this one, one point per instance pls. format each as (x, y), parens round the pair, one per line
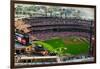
(46, 27)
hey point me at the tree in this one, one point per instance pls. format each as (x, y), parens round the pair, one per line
(18, 9)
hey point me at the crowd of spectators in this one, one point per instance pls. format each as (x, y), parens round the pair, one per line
(34, 21)
(57, 26)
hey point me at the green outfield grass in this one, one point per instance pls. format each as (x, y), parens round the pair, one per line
(69, 45)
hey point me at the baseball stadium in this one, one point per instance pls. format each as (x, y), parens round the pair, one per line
(49, 34)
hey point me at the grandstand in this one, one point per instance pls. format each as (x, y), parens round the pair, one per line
(48, 23)
(58, 26)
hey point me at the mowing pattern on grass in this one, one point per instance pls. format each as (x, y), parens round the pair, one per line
(70, 45)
